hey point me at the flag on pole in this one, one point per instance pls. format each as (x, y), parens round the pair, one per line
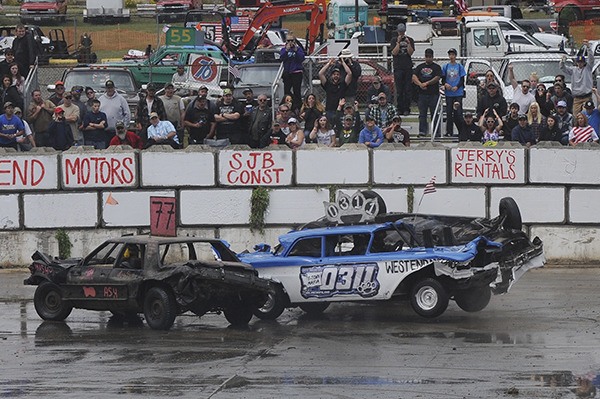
(234, 71)
(430, 187)
(461, 6)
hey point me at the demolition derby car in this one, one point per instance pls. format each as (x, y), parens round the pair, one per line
(358, 252)
(157, 276)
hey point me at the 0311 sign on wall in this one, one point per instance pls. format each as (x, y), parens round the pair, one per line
(163, 216)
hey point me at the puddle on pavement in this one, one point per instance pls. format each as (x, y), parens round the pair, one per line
(475, 337)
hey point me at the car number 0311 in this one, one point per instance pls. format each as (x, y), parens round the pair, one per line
(329, 281)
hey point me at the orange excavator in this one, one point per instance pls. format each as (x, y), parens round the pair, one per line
(269, 13)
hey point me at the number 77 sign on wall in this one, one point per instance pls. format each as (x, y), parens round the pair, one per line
(163, 216)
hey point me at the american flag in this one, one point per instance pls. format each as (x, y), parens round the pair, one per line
(240, 24)
(430, 187)
(461, 6)
(234, 71)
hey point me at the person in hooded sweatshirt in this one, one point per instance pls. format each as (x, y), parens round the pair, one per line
(60, 136)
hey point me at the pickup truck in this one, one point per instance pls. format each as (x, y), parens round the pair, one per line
(96, 76)
(471, 39)
(205, 65)
(37, 11)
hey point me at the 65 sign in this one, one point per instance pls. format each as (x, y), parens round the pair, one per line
(163, 216)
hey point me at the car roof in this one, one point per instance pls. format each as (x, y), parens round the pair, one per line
(321, 231)
(147, 239)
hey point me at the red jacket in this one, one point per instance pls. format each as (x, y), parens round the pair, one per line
(131, 139)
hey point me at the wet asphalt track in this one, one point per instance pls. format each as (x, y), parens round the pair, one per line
(541, 340)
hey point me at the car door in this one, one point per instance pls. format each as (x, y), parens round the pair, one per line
(88, 280)
(346, 273)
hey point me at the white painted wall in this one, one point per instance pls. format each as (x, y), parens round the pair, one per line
(29, 218)
(60, 210)
(346, 165)
(475, 164)
(82, 167)
(192, 167)
(216, 207)
(412, 165)
(9, 212)
(564, 165)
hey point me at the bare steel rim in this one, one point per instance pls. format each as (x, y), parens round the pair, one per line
(269, 303)
(427, 298)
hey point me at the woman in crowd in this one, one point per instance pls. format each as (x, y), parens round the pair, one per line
(582, 132)
(323, 132)
(535, 119)
(295, 139)
(543, 99)
(9, 93)
(311, 111)
(489, 78)
(550, 131)
(17, 80)
(491, 131)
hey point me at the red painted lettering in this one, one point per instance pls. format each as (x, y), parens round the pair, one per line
(235, 162)
(21, 172)
(106, 171)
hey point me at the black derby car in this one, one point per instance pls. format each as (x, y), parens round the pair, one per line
(159, 277)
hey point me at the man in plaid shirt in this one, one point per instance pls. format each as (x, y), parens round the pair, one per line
(383, 112)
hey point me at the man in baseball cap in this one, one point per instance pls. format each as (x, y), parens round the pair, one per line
(125, 137)
(59, 92)
(60, 136)
(453, 80)
(161, 132)
(427, 78)
(593, 115)
(11, 126)
(582, 79)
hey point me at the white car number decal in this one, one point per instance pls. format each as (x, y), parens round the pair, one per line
(330, 280)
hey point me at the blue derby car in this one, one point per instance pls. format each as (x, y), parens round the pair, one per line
(370, 255)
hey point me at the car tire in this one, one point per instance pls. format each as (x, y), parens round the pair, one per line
(274, 306)
(369, 194)
(238, 314)
(429, 298)
(49, 303)
(473, 300)
(160, 308)
(512, 215)
(314, 307)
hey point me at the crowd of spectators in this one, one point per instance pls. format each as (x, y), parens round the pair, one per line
(537, 113)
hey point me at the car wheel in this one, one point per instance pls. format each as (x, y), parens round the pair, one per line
(570, 14)
(429, 298)
(512, 216)
(49, 304)
(368, 194)
(238, 314)
(473, 300)
(160, 308)
(274, 306)
(314, 307)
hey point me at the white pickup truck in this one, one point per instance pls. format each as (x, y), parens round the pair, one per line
(471, 39)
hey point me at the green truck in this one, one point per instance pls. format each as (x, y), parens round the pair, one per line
(204, 65)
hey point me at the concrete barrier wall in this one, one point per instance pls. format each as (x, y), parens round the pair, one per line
(96, 194)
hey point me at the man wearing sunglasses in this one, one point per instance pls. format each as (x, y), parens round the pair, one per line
(521, 95)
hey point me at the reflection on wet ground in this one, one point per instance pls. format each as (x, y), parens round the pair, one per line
(539, 341)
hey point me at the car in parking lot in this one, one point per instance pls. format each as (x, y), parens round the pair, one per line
(358, 252)
(160, 277)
